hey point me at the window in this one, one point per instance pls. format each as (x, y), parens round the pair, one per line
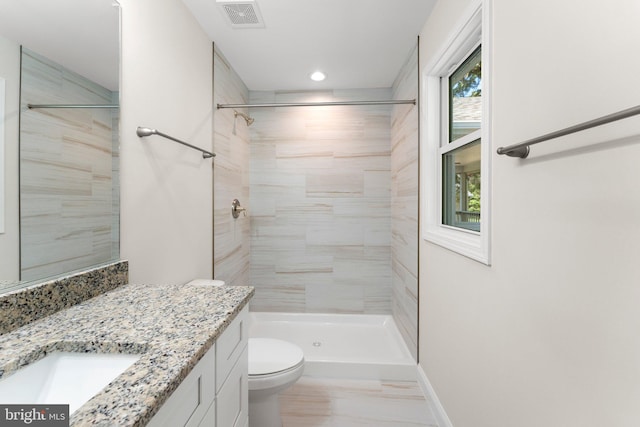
(461, 185)
(464, 88)
(461, 94)
(456, 140)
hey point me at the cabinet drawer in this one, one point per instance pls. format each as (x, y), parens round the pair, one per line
(190, 401)
(230, 345)
(232, 401)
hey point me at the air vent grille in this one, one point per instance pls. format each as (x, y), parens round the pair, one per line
(241, 14)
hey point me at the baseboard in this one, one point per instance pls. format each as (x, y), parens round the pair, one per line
(434, 402)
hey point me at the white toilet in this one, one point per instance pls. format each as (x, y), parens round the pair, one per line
(274, 365)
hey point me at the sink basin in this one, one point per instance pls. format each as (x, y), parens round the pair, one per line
(64, 378)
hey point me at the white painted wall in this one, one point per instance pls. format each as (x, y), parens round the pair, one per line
(9, 240)
(166, 188)
(547, 335)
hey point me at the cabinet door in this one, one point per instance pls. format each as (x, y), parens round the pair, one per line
(190, 401)
(209, 419)
(230, 345)
(232, 401)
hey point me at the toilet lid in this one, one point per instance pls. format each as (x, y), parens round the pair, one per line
(269, 355)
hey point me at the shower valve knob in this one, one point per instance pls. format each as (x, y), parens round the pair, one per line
(236, 209)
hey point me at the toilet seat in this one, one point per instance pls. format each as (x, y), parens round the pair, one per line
(268, 356)
(273, 365)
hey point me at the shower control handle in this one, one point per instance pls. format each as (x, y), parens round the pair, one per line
(236, 209)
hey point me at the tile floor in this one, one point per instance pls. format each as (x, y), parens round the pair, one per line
(328, 402)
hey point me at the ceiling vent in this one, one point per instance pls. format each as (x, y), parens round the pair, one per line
(241, 13)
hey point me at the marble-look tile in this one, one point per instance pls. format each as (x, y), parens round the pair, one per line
(377, 184)
(323, 176)
(279, 297)
(330, 297)
(328, 185)
(69, 210)
(231, 240)
(322, 402)
(404, 204)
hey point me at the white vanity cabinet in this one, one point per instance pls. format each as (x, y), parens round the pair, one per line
(215, 393)
(189, 403)
(232, 374)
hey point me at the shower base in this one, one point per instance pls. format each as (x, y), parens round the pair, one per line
(351, 346)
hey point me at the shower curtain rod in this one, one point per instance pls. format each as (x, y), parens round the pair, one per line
(320, 104)
(32, 106)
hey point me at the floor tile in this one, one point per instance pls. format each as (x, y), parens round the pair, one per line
(328, 402)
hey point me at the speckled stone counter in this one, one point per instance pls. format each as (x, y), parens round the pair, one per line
(171, 326)
(39, 300)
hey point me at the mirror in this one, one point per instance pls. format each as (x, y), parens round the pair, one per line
(60, 204)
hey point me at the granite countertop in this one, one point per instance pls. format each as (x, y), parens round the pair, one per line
(172, 326)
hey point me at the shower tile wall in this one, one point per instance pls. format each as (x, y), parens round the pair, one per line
(320, 204)
(230, 176)
(66, 171)
(404, 204)
(334, 200)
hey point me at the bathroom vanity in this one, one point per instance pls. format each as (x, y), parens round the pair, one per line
(192, 347)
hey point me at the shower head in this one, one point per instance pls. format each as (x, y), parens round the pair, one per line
(246, 118)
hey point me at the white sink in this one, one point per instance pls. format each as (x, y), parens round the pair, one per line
(64, 378)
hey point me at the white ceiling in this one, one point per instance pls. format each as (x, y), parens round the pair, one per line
(357, 43)
(82, 35)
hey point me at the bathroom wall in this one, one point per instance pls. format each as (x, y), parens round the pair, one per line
(548, 334)
(10, 239)
(66, 167)
(404, 204)
(320, 204)
(166, 191)
(231, 239)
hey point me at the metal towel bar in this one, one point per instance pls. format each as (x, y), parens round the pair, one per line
(522, 149)
(142, 131)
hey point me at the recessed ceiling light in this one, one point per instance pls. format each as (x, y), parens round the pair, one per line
(318, 76)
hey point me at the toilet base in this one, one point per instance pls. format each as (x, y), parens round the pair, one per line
(264, 410)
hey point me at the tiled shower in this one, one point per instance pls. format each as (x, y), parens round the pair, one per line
(68, 162)
(331, 195)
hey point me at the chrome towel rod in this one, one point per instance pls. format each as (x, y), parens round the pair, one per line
(522, 149)
(32, 106)
(320, 104)
(142, 131)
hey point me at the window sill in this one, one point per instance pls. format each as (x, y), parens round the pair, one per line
(464, 242)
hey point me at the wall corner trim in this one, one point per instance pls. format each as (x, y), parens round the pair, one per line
(432, 399)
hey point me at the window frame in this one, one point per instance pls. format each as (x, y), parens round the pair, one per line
(465, 37)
